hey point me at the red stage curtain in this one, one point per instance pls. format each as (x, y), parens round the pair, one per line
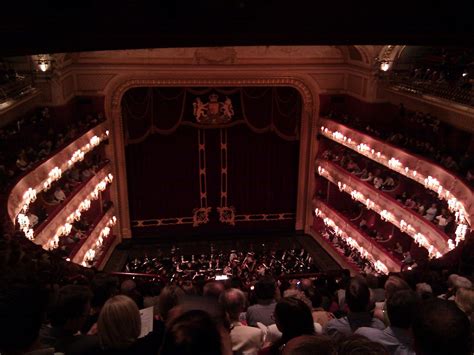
(161, 136)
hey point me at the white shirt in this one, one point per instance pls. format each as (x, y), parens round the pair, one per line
(246, 340)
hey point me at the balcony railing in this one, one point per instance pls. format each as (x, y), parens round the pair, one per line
(377, 251)
(441, 89)
(79, 254)
(36, 178)
(49, 230)
(410, 165)
(15, 89)
(413, 224)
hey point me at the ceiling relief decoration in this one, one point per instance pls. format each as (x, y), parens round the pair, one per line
(215, 55)
(219, 55)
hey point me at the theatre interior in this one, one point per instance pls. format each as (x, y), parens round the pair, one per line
(188, 166)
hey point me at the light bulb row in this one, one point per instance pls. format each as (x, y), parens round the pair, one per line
(85, 204)
(54, 174)
(377, 264)
(394, 164)
(90, 254)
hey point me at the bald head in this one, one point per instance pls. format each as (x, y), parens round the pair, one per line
(213, 289)
(233, 302)
(128, 286)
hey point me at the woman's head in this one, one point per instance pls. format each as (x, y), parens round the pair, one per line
(293, 318)
(119, 323)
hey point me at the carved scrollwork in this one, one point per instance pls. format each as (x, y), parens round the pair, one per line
(227, 215)
(201, 215)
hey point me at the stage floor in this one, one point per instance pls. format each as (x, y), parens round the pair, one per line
(200, 245)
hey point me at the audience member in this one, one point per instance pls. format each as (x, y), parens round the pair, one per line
(103, 287)
(169, 298)
(245, 340)
(213, 289)
(68, 315)
(292, 318)
(465, 301)
(129, 288)
(265, 291)
(357, 300)
(359, 345)
(22, 309)
(401, 308)
(320, 315)
(440, 327)
(192, 333)
(119, 328)
(424, 290)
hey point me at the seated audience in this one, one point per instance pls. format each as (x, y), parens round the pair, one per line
(245, 340)
(357, 300)
(401, 308)
(262, 311)
(440, 327)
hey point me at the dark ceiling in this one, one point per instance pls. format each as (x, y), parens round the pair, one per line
(77, 25)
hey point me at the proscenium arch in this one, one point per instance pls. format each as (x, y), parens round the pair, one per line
(305, 85)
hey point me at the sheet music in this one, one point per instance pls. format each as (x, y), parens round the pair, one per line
(146, 317)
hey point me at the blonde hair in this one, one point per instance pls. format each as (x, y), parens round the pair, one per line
(465, 300)
(119, 323)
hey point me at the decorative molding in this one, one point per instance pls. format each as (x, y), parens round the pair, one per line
(333, 81)
(215, 55)
(93, 82)
(119, 91)
(227, 215)
(67, 85)
(201, 216)
(355, 84)
(264, 217)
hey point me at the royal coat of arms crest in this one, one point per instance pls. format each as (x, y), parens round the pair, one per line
(214, 111)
